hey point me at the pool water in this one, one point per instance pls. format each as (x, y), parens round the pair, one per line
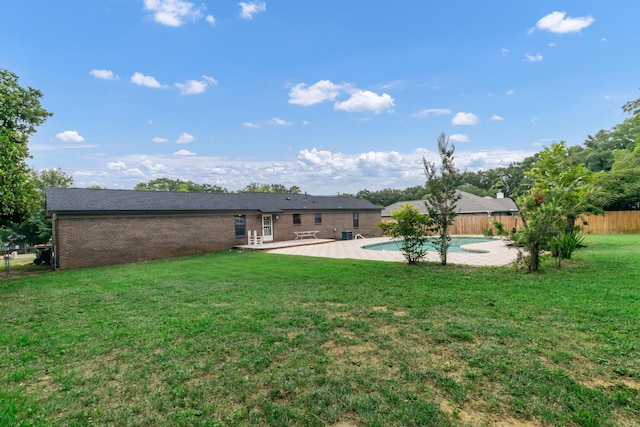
(454, 246)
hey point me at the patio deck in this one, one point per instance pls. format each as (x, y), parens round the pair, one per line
(493, 253)
(282, 244)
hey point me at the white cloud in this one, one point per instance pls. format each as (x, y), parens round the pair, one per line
(317, 170)
(459, 137)
(496, 118)
(210, 19)
(557, 22)
(184, 153)
(185, 138)
(172, 13)
(505, 52)
(192, 87)
(103, 74)
(135, 172)
(70, 136)
(323, 90)
(142, 80)
(195, 87)
(210, 80)
(394, 84)
(273, 122)
(510, 92)
(431, 112)
(159, 139)
(532, 58)
(365, 100)
(119, 165)
(249, 10)
(279, 122)
(464, 119)
(150, 165)
(327, 164)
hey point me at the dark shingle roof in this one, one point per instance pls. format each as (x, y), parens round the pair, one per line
(468, 204)
(85, 200)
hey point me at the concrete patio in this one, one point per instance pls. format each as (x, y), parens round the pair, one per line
(494, 252)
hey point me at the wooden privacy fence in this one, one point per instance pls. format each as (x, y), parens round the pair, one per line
(475, 224)
(614, 222)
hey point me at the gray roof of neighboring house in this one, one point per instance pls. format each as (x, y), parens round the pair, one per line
(468, 204)
(85, 200)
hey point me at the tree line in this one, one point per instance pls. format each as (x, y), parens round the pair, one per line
(167, 184)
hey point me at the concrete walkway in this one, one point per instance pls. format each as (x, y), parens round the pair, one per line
(494, 253)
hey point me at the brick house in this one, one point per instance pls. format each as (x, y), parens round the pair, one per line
(93, 227)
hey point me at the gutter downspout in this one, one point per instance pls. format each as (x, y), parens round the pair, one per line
(54, 239)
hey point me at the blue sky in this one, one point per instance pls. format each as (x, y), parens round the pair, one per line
(331, 96)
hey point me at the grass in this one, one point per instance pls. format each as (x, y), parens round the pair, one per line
(251, 339)
(21, 266)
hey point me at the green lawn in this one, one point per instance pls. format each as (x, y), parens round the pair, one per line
(255, 339)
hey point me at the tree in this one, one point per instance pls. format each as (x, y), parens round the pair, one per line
(540, 218)
(442, 196)
(598, 152)
(51, 178)
(167, 184)
(623, 181)
(572, 186)
(481, 183)
(417, 192)
(255, 187)
(412, 228)
(20, 113)
(559, 194)
(384, 197)
(37, 227)
(632, 107)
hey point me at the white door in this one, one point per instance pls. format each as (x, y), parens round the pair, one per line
(267, 228)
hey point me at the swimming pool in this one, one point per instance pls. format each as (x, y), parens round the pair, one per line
(454, 246)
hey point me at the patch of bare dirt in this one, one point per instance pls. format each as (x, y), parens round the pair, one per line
(474, 417)
(607, 383)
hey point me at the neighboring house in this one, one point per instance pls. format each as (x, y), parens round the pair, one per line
(468, 205)
(102, 227)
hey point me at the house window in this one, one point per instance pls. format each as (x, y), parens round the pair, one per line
(356, 220)
(240, 224)
(317, 218)
(296, 219)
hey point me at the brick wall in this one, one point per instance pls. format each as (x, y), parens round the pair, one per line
(340, 220)
(105, 240)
